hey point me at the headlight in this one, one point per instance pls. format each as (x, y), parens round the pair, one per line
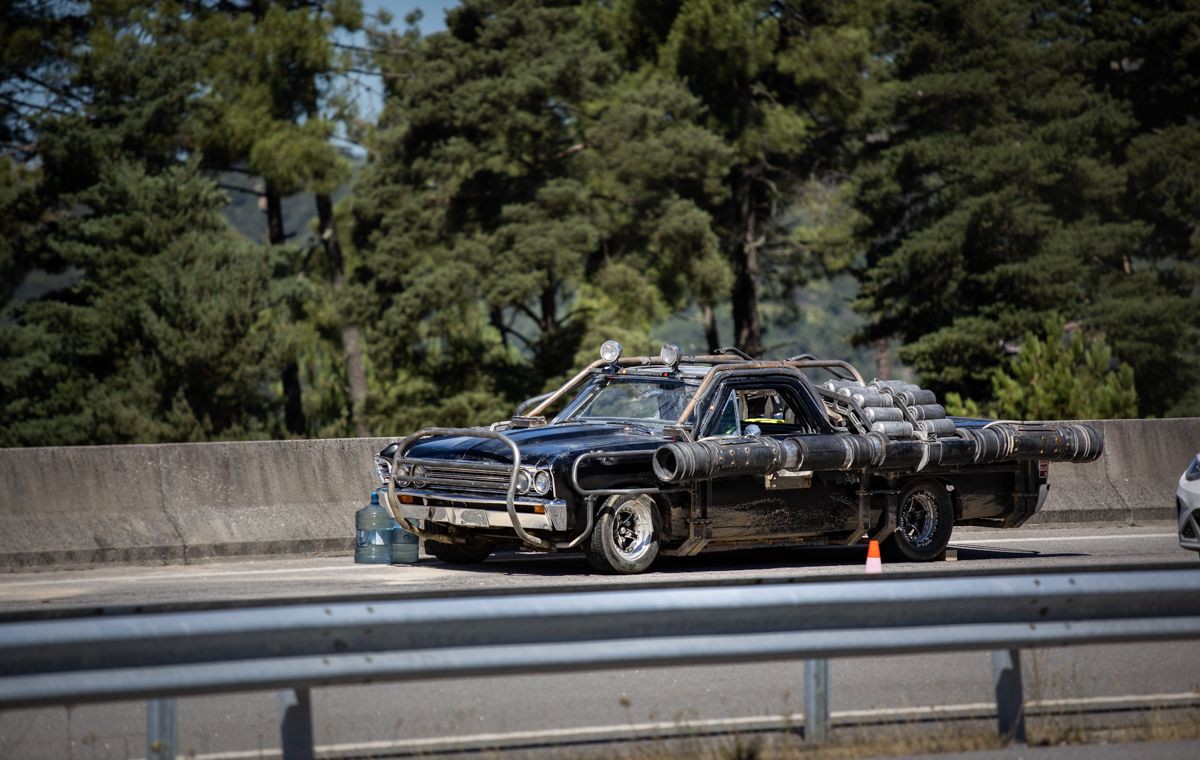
(670, 354)
(610, 351)
(1193, 470)
(401, 476)
(541, 482)
(418, 475)
(523, 482)
(383, 469)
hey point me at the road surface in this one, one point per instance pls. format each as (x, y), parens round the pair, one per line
(431, 716)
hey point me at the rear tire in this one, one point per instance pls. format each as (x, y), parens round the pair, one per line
(459, 554)
(923, 525)
(625, 537)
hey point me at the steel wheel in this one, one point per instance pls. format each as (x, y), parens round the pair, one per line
(632, 530)
(923, 524)
(919, 517)
(625, 537)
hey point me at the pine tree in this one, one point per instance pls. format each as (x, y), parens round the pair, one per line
(268, 112)
(161, 326)
(1067, 377)
(524, 197)
(780, 82)
(992, 190)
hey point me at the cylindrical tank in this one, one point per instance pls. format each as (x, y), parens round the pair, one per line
(873, 399)
(927, 412)
(404, 545)
(373, 534)
(883, 414)
(939, 428)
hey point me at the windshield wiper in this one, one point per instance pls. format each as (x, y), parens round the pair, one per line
(619, 421)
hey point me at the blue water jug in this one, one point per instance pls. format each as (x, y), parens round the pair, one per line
(373, 534)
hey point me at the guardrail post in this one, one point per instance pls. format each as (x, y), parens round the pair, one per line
(816, 700)
(1010, 695)
(161, 729)
(295, 724)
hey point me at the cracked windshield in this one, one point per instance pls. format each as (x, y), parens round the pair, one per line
(637, 400)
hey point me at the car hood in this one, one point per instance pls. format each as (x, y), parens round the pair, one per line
(538, 445)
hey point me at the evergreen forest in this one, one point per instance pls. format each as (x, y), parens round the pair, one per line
(207, 232)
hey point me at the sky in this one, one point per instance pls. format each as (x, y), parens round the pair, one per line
(370, 96)
(434, 10)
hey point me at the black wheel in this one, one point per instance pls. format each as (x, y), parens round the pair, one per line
(923, 525)
(459, 554)
(625, 537)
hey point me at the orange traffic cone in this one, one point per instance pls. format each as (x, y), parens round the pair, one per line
(874, 563)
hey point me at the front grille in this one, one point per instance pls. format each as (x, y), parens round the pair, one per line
(480, 478)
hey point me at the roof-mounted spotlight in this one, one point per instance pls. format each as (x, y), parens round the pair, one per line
(610, 351)
(670, 355)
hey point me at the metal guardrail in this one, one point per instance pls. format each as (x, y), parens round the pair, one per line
(294, 648)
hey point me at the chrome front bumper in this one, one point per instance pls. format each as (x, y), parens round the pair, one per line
(431, 506)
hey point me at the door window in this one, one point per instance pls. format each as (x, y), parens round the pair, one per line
(771, 410)
(728, 423)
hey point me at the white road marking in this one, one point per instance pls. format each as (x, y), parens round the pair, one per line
(683, 726)
(198, 575)
(1033, 539)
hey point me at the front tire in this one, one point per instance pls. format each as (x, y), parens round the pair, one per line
(923, 525)
(625, 537)
(459, 554)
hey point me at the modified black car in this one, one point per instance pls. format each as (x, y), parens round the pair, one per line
(674, 455)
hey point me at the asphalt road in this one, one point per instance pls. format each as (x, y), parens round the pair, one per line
(529, 710)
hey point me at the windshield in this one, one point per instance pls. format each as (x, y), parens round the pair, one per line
(646, 400)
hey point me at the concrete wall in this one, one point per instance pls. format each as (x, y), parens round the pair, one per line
(181, 502)
(1134, 482)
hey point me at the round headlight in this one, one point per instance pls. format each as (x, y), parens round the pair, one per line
(610, 351)
(401, 476)
(383, 469)
(541, 482)
(523, 482)
(670, 354)
(418, 475)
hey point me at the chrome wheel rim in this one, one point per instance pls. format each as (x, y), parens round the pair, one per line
(919, 518)
(632, 530)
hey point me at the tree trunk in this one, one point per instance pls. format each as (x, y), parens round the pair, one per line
(496, 317)
(747, 326)
(352, 351)
(293, 405)
(274, 214)
(883, 359)
(709, 316)
(548, 323)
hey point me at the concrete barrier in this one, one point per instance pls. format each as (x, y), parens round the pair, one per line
(180, 502)
(183, 502)
(1135, 480)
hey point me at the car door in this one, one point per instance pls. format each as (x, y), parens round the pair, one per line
(779, 505)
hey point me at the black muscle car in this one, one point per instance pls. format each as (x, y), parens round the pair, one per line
(679, 454)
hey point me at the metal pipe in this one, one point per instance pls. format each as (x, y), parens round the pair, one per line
(509, 496)
(631, 361)
(684, 462)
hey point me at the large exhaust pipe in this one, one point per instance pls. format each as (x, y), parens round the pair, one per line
(684, 462)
